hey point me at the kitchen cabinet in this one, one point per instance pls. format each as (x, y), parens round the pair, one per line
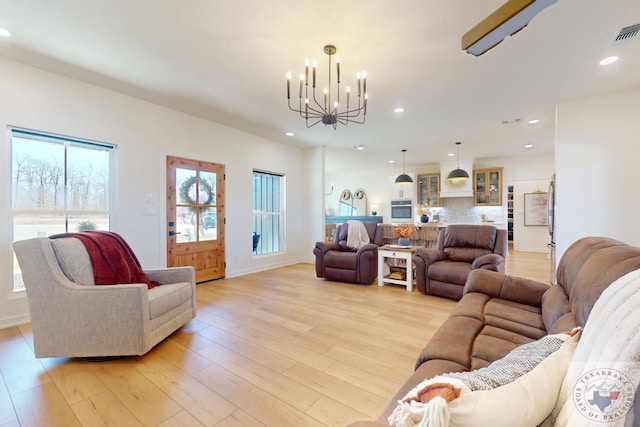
(429, 189)
(403, 191)
(487, 187)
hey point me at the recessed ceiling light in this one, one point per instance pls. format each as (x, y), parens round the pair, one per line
(398, 110)
(609, 60)
(534, 121)
(359, 147)
(528, 146)
(392, 161)
(4, 33)
(289, 133)
(451, 154)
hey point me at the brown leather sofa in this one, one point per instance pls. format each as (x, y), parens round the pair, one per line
(499, 312)
(336, 261)
(460, 248)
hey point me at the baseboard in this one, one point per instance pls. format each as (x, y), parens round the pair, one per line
(8, 322)
(538, 250)
(244, 272)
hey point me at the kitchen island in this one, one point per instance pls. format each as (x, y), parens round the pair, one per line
(426, 233)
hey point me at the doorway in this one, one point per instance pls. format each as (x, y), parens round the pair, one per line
(195, 217)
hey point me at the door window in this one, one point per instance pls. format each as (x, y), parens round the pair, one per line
(196, 216)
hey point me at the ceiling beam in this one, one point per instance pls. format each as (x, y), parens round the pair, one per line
(507, 20)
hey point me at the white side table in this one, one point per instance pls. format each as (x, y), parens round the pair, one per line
(400, 252)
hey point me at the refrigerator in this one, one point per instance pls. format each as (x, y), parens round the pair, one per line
(551, 222)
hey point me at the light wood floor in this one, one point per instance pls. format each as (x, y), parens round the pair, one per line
(278, 348)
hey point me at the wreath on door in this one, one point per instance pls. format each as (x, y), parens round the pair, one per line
(188, 193)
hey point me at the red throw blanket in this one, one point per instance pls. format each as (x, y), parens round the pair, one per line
(112, 259)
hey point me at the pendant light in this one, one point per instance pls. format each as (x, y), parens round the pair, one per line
(404, 178)
(458, 176)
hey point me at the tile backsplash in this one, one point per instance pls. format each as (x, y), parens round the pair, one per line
(461, 210)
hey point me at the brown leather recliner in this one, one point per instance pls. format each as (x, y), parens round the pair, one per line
(336, 261)
(498, 312)
(460, 248)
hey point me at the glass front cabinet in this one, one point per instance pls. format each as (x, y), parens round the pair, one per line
(429, 189)
(487, 187)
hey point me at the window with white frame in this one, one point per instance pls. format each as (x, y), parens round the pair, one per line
(268, 212)
(58, 185)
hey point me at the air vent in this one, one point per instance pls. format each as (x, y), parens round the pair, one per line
(627, 33)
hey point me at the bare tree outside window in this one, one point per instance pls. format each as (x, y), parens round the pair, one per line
(59, 184)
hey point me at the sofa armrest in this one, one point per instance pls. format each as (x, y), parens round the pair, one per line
(366, 248)
(501, 285)
(492, 262)
(324, 247)
(429, 255)
(422, 259)
(97, 320)
(166, 276)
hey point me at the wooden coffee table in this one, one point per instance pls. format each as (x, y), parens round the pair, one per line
(399, 252)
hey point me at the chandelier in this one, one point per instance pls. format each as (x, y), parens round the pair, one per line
(325, 109)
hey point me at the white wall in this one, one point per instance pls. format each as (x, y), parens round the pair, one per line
(528, 237)
(145, 134)
(598, 168)
(315, 159)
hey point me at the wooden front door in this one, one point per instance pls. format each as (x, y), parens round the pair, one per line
(195, 217)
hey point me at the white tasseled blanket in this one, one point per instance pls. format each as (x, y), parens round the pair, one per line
(357, 235)
(600, 386)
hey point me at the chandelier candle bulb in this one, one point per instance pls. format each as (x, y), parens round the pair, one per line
(348, 93)
(301, 81)
(315, 65)
(364, 82)
(306, 71)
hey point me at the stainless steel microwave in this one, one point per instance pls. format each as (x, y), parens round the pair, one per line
(402, 210)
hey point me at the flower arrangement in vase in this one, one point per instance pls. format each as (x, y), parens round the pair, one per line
(403, 232)
(424, 210)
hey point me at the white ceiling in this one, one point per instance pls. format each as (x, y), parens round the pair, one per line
(226, 61)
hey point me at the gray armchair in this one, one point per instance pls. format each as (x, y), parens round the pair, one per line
(71, 317)
(460, 248)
